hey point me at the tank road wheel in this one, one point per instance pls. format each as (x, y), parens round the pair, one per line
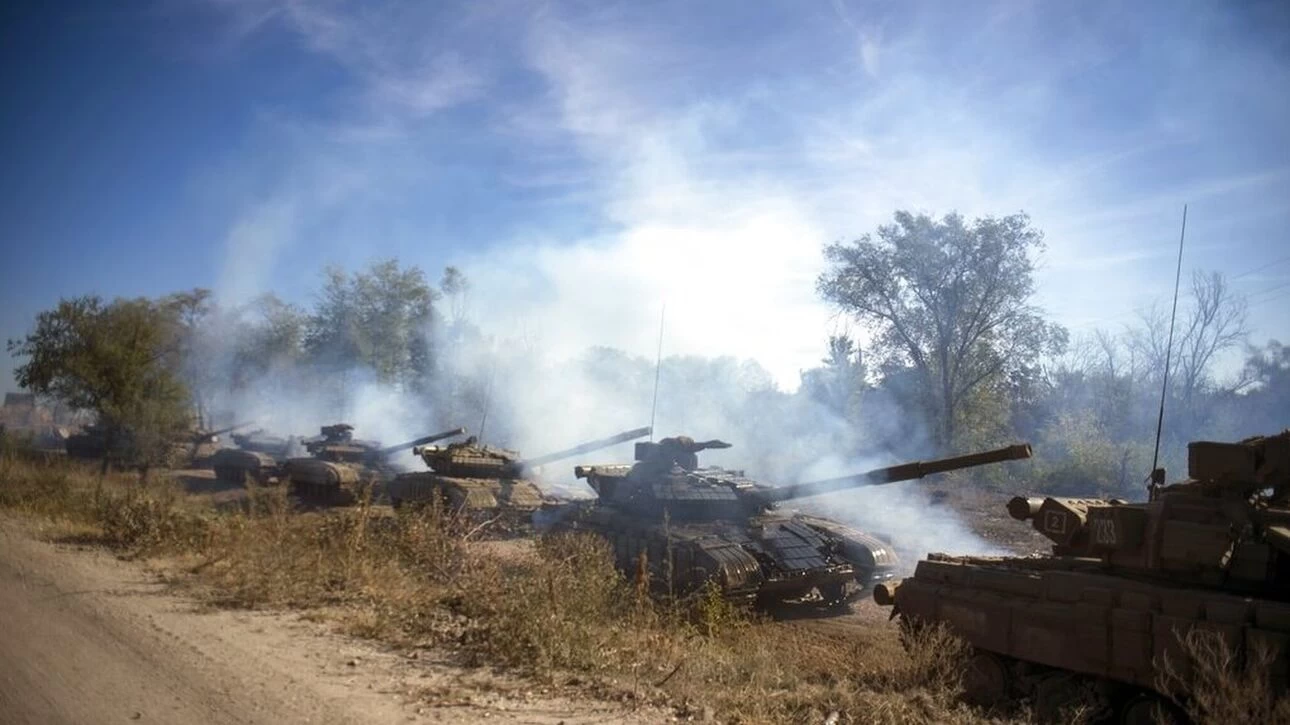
(1148, 708)
(304, 492)
(987, 681)
(1065, 697)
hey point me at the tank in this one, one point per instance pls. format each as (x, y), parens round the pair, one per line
(88, 442)
(486, 482)
(1122, 584)
(683, 526)
(197, 445)
(259, 457)
(338, 462)
(184, 449)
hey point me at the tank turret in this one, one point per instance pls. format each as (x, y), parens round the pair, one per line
(89, 442)
(479, 479)
(259, 457)
(418, 442)
(337, 443)
(337, 432)
(338, 461)
(1227, 524)
(212, 436)
(260, 441)
(472, 459)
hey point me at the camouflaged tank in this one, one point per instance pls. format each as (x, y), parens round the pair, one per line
(188, 448)
(338, 463)
(196, 446)
(683, 526)
(89, 442)
(259, 457)
(1124, 586)
(483, 481)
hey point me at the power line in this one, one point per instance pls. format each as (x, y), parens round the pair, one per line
(1262, 267)
(1273, 288)
(1251, 297)
(1273, 298)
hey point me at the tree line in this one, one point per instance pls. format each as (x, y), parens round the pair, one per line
(956, 356)
(957, 342)
(162, 368)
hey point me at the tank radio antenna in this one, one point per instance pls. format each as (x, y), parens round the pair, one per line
(658, 366)
(1158, 475)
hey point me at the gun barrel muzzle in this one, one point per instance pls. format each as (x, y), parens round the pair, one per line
(1022, 508)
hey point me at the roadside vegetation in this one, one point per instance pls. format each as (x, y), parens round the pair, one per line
(557, 612)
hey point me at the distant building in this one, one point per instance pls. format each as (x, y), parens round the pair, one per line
(19, 399)
(20, 412)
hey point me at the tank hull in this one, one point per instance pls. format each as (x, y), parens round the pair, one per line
(766, 560)
(84, 446)
(1043, 618)
(509, 502)
(325, 482)
(236, 466)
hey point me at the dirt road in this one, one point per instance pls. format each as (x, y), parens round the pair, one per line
(85, 638)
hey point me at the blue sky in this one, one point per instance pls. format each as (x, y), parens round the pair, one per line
(589, 162)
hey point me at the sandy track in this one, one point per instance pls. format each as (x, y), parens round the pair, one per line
(85, 638)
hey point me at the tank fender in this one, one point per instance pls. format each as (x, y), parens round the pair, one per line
(736, 569)
(856, 545)
(321, 473)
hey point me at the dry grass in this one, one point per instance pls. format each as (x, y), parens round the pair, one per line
(1219, 684)
(559, 613)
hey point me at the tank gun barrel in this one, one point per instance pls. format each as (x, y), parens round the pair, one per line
(211, 435)
(902, 472)
(1022, 508)
(586, 447)
(424, 440)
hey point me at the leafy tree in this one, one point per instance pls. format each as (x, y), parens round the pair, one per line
(456, 288)
(949, 299)
(1268, 369)
(838, 383)
(193, 311)
(378, 319)
(120, 360)
(1260, 408)
(267, 334)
